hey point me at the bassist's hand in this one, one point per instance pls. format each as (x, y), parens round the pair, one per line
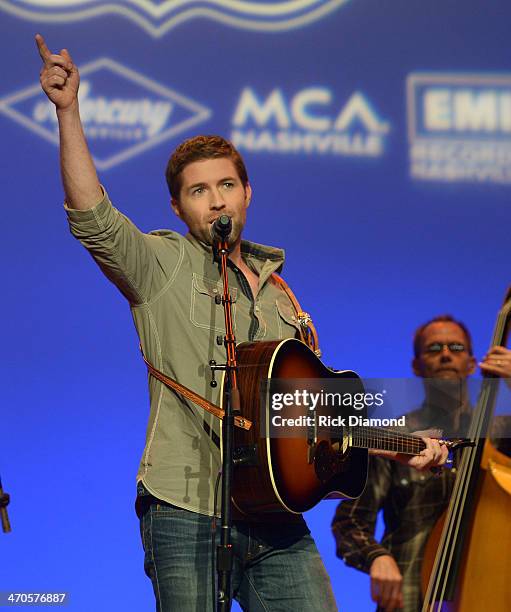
(497, 361)
(386, 583)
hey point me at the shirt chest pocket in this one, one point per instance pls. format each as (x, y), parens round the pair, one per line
(423, 495)
(206, 308)
(287, 322)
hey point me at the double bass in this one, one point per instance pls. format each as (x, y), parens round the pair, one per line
(467, 560)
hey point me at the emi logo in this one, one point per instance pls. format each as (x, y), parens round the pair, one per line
(124, 113)
(459, 127)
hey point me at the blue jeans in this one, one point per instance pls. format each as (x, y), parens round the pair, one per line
(277, 567)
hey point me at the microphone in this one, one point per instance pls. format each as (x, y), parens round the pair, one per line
(221, 228)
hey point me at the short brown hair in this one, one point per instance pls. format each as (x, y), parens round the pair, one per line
(446, 318)
(196, 149)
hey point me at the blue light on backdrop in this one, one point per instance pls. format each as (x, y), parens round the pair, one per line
(378, 142)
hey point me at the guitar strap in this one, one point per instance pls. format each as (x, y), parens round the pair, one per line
(308, 335)
(308, 332)
(192, 396)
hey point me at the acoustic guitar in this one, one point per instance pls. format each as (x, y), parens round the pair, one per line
(303, 465)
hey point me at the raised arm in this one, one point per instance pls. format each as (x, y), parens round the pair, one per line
(60, 81)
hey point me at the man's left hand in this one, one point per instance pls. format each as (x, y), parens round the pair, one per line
(434, 455)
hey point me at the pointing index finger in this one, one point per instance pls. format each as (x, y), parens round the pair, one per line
(44, 52)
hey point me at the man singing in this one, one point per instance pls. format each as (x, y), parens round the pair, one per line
(171, 283)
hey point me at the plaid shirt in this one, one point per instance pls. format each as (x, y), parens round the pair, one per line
(411, 501)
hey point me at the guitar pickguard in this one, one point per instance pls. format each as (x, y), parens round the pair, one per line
(329, 460)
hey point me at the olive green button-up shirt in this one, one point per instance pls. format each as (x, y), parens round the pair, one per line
(171, 282)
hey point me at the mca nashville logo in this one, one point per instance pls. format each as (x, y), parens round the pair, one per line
(312, 120)
(124, 113)
(459, 127)
(158, 17)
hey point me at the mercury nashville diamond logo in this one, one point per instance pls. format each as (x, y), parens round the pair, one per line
(159, 16)
(124, 113)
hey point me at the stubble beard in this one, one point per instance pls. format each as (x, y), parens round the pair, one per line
(234, 236)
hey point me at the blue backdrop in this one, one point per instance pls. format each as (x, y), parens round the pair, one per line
(378, 141)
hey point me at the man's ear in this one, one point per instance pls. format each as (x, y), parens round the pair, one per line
(416, 367)
(248, 194)
(175, 207)
(472, 365)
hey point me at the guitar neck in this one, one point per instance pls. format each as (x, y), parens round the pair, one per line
(386, 439)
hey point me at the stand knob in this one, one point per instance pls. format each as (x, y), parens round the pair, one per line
(213, 382)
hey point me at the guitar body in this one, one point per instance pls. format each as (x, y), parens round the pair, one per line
(293, 472)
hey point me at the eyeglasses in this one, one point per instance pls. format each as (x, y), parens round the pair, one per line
(437, 347)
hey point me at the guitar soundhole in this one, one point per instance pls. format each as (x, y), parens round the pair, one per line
(328, 462)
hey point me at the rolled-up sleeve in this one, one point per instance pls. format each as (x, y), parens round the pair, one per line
(354, 521)
(137, 263)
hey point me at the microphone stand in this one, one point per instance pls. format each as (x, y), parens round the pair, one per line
(4, 500)
(224, 552)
